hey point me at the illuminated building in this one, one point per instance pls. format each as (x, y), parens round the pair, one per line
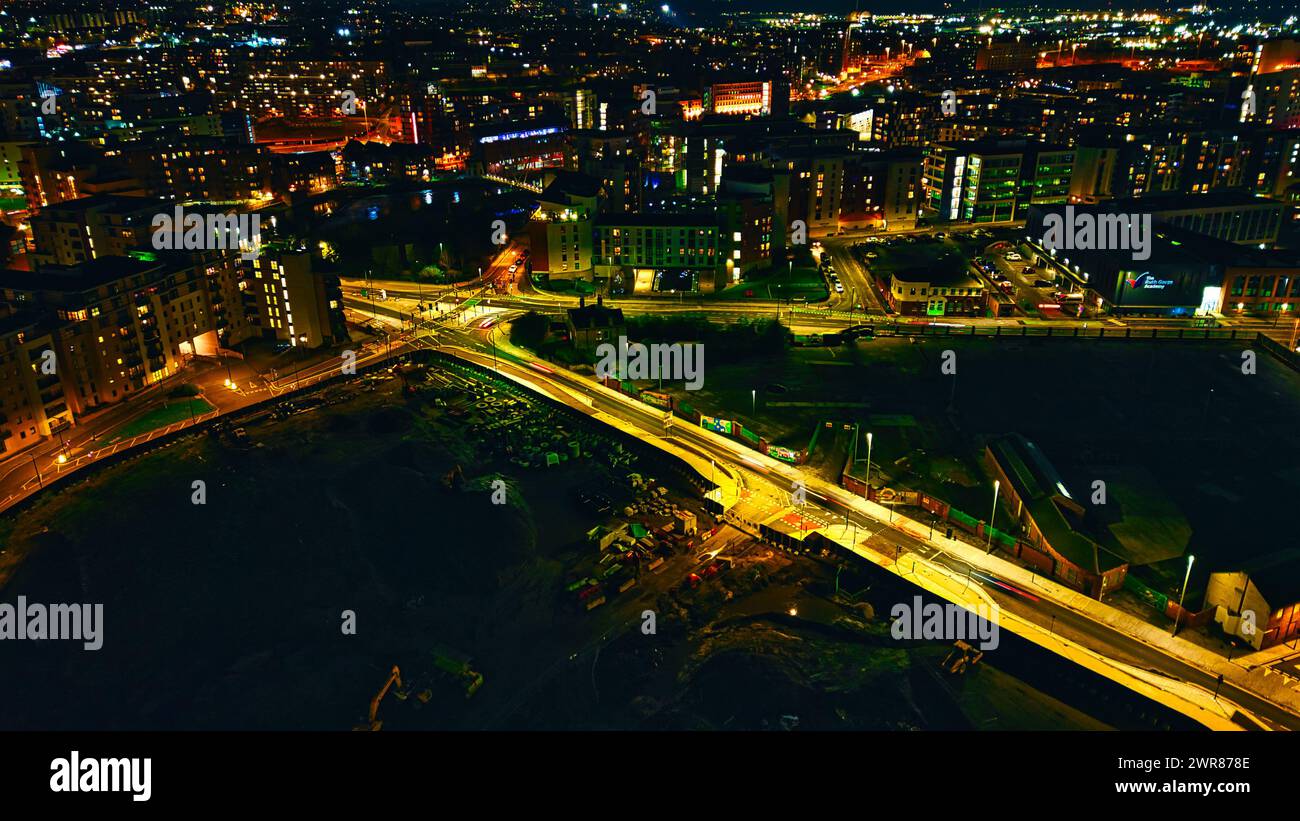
(31, 402)
(75, 231)
(519, 148)
(992, 181)
(1007, 57)
(123, 323)
(815, 184)
(934, 293)
(1265, 589)
(881, 189)
(283, 299)
(757, 98)
(560, 230)
(644, 253)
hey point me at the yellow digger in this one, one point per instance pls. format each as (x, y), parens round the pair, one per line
(395, 677)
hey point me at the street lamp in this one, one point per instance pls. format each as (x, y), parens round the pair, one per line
(37, 468)
(753, 402)
(994, 512)
(1186, 576)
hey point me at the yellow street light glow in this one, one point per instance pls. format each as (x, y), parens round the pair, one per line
(63, 457)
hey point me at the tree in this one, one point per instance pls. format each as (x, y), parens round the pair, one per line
(529, 330)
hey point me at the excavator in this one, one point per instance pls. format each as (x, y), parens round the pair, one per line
(394, 677)
(454, 479)
(961, 657)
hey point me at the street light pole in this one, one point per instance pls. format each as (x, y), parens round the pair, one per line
(994, 512)
(374, 312)
(868, 463)
(37, 467)
(1186, 576)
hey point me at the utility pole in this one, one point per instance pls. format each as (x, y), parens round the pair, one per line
(993, 513)
(1186, 576)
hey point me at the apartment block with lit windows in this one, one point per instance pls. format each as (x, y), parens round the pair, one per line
(994, 181)
(31, 401)
(881, 189)
(201, 168)
(74, 231)
(644, 253)
(756, 98)
(282, 83)
(284, 299)
(816, 180)
(122, 323)
(560, 230)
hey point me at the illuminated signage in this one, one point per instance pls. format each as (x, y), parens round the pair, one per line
(784, 454)
(519, 135)
(659, 400)
(715, 424)
(1148, 281)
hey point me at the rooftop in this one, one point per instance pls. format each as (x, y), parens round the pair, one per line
(595, 316)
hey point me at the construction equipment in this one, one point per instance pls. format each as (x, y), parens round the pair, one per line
(457, 667)
(394, 677)
(969, 656)
(454, 479)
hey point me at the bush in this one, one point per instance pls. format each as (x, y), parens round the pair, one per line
(529, 330)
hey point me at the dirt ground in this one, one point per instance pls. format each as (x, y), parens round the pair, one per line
(230, 614)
